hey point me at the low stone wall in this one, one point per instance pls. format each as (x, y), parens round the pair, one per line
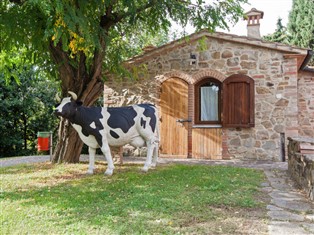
(301, 163)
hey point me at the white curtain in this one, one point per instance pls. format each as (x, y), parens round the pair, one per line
(209, 103)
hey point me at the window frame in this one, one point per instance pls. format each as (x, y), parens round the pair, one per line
(197, 101)
(225, 100)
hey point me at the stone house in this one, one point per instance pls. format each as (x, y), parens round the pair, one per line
(223, 96)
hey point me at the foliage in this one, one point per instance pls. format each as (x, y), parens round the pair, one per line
(82, 28)
(26, 108)
(169, 200)
(301, 23)
(280, 34)
(300, 29)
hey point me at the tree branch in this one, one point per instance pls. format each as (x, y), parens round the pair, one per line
(111, 18)
(18, 2)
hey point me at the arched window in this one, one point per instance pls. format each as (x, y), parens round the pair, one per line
(208, 101)
(230, 104)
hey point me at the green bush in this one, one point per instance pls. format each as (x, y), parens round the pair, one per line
(26, 108)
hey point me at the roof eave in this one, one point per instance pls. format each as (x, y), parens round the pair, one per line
(307, 59)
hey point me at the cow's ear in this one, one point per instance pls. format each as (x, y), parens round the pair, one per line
(79, 103)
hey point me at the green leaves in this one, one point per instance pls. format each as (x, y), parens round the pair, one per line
(301, 23)
(81, 26)
(300, 29)
(280, 35)
(25, 109)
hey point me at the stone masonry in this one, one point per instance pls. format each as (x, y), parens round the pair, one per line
(306, 104)
(284, 98)
(301, 163)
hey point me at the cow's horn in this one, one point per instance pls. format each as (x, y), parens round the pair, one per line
(57, 97)
(74, 96)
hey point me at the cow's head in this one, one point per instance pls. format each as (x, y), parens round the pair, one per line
(68, 106)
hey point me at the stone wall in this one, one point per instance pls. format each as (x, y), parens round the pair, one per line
(301, 163)
(276, 103)
(306, 103)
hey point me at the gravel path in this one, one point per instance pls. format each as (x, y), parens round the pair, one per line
(23, 160)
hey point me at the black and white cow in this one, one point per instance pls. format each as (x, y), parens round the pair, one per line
(100, 127)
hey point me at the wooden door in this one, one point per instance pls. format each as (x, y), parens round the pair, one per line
(207, 143)
(174, 107)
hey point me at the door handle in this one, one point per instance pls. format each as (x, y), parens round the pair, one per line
(183, 120)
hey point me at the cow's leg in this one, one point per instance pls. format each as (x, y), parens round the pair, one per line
(121, 155)
(91, 167)
(106, 151)
(155, 155)
(150, 149)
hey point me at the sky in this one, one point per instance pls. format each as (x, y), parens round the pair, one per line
(273, 9)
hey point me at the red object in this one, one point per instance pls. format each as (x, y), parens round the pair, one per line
(43, 143)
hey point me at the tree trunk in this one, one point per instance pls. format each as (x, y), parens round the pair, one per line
(69, 145)
(24, 131)
(88, 86)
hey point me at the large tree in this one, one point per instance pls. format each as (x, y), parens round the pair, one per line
(301, 23)
(300, 29)
(80, 39)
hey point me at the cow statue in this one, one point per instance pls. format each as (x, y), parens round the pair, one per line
(101, 127)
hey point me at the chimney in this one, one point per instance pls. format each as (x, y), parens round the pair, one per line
(253, 16)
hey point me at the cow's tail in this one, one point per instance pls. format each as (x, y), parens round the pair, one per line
(157, 127)
(157, 139)
(158, 133)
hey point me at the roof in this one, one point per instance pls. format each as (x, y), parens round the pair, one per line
(301, 54)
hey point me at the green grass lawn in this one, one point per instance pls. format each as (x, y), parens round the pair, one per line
(60, 199)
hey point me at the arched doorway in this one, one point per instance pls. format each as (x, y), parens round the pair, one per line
(174, 118)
